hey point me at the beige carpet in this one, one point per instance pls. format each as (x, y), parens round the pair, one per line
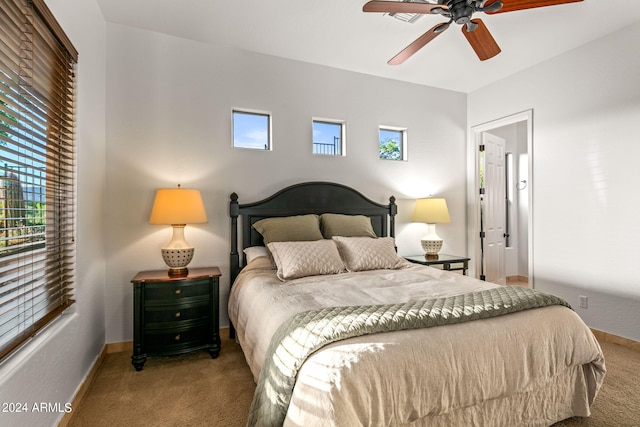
(194, 390)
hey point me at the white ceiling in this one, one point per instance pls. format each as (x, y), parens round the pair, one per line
(336, 33)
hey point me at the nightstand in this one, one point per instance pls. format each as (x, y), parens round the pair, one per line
(444, 260)
(175, 315)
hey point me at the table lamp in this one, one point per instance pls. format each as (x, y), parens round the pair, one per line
(178, 207)
(431, 211)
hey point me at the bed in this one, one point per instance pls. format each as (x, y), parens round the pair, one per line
(340, 331)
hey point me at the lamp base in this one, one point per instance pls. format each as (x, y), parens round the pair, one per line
(177, 259)
(178, 272)
(431, 247)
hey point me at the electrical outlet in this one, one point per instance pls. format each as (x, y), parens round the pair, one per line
(584, 301)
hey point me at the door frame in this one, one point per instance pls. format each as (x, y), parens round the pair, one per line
(473, 181)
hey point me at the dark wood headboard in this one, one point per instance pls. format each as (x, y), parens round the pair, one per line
(300, 199)
(305, 198)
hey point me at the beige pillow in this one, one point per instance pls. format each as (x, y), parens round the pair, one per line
(346, 225)
(289, 229)
(301, 259)
(366, 253)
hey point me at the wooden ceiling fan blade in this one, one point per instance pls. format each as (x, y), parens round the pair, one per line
(400, 7)
(513, 5)
(418, 44)
(481, 40)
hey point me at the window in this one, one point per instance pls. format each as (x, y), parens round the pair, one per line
(252, 129)
(37, 170)
(392, 143)
(329, 137)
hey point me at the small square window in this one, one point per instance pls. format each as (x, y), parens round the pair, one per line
(392, 144)
(328, 137)
(252, 129)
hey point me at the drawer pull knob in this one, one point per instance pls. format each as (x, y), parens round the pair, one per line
(177, 314)
(178, 291)
(177, 337)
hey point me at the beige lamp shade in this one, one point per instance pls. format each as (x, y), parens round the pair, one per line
(431, 211)
(178, 206)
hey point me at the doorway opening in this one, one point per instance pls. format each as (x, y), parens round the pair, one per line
(501, 181)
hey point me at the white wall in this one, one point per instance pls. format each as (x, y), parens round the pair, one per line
(50, 368)
(169, 104)
(586, 233)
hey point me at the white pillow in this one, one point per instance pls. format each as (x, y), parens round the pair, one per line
(367, 253)
(254, 252)
(301, 259)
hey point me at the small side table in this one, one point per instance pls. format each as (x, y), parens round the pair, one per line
(444, 260)
(175, 315)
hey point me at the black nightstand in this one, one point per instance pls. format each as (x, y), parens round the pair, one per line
(175, 315)
(444, 260)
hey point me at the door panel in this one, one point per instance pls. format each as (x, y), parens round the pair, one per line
(494, 208)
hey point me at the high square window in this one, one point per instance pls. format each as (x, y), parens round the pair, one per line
(252, 129)
(392, 143)
(329, 137)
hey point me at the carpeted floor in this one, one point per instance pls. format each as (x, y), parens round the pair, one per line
(194, 390)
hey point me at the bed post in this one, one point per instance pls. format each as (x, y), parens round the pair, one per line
(234, 258)
(393, 210)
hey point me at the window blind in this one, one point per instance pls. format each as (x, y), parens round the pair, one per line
(37, 170)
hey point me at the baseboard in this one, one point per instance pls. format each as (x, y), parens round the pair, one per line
(615, 339)
(224, 332)
(119, 347)
(82, 390)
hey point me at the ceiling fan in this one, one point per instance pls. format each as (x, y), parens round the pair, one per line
(460, 12)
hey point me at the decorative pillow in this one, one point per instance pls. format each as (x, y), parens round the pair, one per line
(346, 225)
(254, 252)
(366, 253)
(301, 259)
(289, 229)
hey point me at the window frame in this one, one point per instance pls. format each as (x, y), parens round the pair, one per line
(37, 270)
(343, 136)
(403, 145)
(252, 112)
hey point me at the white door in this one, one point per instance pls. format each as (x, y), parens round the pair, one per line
(494, 219)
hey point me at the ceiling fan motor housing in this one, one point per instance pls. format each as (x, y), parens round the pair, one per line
(460, 10)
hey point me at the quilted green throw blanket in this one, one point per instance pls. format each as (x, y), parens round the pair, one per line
(308, 331)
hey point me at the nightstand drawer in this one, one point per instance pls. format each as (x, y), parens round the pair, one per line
(172, 342)
(176, 290)
(175, 314)
(179, 302)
